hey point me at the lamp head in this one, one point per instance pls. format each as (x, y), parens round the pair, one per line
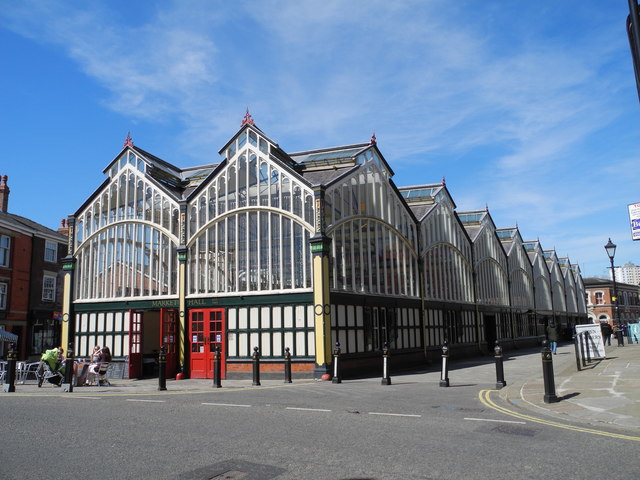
(610, 247)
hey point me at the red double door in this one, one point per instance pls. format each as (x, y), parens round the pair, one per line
(168, 339)
(206, 332)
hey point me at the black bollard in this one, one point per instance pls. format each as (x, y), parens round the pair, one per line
(444, 374)
(386, 379)
(256, 367)
(67, 385)
(547, 372)
(336, 367)
(499, 367)
(162, 369)
(217, 368)
(12, 356)
(287, 365)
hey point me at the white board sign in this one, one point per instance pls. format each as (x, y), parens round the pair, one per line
(634, 219)
(590, 341)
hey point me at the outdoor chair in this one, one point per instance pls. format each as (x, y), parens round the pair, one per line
(100, 375)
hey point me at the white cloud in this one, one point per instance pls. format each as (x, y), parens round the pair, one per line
(510, 104)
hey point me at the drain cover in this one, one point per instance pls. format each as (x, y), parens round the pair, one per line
(233, 470)
(230, 475)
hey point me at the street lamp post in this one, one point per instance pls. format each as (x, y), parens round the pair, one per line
(610, 248)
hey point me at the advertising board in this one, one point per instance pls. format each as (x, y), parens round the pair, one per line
(634, 219)
(590, 340)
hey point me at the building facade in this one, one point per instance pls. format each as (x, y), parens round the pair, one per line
(30, 280)
(601, 304)
(272, 250)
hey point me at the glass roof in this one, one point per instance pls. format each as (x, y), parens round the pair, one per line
(471, 217)
(505, 233)
(331, 157)
(415, 193)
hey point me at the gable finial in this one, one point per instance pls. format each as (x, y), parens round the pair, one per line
(373, 139)
(444, 182)
(486, 207)
(128, 142)
(247, 120)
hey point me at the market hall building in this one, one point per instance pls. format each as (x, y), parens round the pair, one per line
(276, 250)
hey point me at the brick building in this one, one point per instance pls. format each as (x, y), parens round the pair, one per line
(30, 285)
(600, 305)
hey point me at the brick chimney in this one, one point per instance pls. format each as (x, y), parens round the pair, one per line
(4, 194)
(64, 228)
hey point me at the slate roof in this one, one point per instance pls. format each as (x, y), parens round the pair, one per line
(10, 220)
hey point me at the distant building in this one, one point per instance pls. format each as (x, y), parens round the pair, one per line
(627, 273)
(30, 280)
(600, 304)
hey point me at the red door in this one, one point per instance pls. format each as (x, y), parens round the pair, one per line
(135, 344)
(207, 332)
(168, 329)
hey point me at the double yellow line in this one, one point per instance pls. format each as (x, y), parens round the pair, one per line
(485, 399)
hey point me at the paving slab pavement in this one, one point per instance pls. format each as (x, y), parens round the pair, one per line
(604, 392)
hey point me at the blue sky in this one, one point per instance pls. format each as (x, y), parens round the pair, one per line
(527, 107)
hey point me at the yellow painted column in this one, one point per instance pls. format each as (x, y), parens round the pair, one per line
(67, 308)
(182, 305)
(322, 307)
(321, 251)
(67, 334)
(182, 291)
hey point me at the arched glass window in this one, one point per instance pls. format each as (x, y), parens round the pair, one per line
(253, 180)
(264, 184)
(212, 203)
(242, 182)
(231, 193)
(286, 193)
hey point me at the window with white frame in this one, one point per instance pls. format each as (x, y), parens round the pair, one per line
(5, 250)
(599, 298)
(48, 288)
(50, 252)
(3, 296)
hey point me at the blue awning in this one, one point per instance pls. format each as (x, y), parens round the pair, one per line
(7, 336)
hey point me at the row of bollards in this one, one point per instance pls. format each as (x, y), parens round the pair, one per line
(547, 368)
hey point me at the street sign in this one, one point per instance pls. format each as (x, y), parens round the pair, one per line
(634, 218)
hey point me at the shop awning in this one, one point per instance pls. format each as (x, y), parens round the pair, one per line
(7, 336)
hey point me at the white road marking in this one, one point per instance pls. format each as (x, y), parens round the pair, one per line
(309, 409)
(491, 420)
(395, 414)
(148, 401)
(227, 405)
